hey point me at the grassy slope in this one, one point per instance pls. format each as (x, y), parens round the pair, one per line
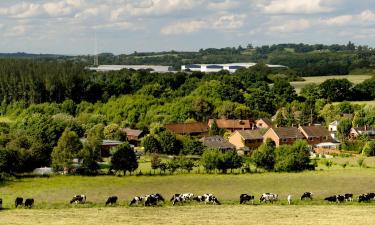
(227, 214)
(55, 192)
(356, 79)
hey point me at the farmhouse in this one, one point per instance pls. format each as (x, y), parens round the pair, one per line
(332, 127)
(315, 134)
(232, 125)
(246, 140)
(133, 135)
(194, 129)
(363, 130)
(217, 142)
(263, 123)
(106, 146)
(283, 135)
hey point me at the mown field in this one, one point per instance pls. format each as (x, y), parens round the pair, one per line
(356, 79)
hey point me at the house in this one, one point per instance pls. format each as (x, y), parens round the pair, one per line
(232, 125)
(106, 146)
(332, 128)
(193, 129)
(246, 140)
(263, 123)
(363, 130)
(283, 135)
(315, 134)
(217, 142)
(134, 136)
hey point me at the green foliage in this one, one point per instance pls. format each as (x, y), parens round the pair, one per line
(264, 156)
(336, 89)
(155, 161)
(114, 132)
(124, 159)
(369, 149)
(361, 162)
(343, 129)
(66, 150)
(293, 158)
(214, 159)
(169, 143)
(192, 146)
(151, 144)
(210, 159)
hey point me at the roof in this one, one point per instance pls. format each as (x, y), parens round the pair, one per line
(334, 123)
(231, 124)
(111, 142)
(132, 132)
(315, 131)
(250, 134)
(365, 129)
(217, 142)
(288, 132)
(187, 128)
(266, 121)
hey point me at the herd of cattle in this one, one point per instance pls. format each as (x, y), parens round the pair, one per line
(155, 199)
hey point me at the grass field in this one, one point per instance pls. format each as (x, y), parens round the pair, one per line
(356, 79)
(224, 214)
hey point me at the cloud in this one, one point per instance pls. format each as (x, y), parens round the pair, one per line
(365, 18)
(339, 20)
(21, 10)
(17, 31)
(291, 26)
(62, 8)
(296, 7)
(229, 22)
(183, 27)
(223, 5)
(115, 26)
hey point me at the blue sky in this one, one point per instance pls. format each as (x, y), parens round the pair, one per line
(125, 26)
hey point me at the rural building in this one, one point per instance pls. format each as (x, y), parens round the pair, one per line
(332, 128)
(363, 130)
(315, 134)
(231, 67)
(326, 148)
(263, 123)
(283, 135)
(217, 142)
(134, 136)
(232, 125)
(106, 146)
(246, 140)
(193, 129)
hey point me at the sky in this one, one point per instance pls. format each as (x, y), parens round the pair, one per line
(125, 26)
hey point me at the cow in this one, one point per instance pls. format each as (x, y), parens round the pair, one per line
(340, 198)
(29, 202)
(268, 197)
(111, 200)
(364, 198)
(371, 195)
(137, 200)
(246, 198)
(199, 198)
(153, 199)
(78, 199)
(348, 197)
(306, 195)
(289, 199)
(18, 201)
(178, 199)
(210, 198)
(332, 198)
(187, 196)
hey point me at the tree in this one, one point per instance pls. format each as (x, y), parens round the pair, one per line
(229, 160)
(343, 129)
(264, 156)
(151, 144)
(210, 159)
(214, 129)
(336, 89)
(124, 159)
(192, 146)
(169, 143)
(114, 132)
(369, 149)
(155, 161)
(293, 158)
(66, 150)
(284, 91)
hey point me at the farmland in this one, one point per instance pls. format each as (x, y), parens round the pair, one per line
(356, 79)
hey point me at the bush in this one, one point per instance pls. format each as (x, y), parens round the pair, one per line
(214, 159)
(361, 162)
(293, 158)
(369, 149)
(264, 156)
(124, 159)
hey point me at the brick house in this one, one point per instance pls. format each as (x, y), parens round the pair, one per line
(263, 123)
(232, 125)
(246, 140)
(134, 136)
(193, 129)
(363, 130)
(315, 134)
(283, 135)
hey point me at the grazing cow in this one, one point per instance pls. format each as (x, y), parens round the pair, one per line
(332, 198)
(371, 195)
(210, 198)
(340, 198)
(187, 196)
(268, 197)
(174, 196)
(199, 198)
(246, 198)
(29, 202)
(18, 201)
(178, 199)
(153, 199)
(289, 199)
(308, 195)
(111, 200)
(364, 198)
(78, 199)
(137, 199)
(348, 197)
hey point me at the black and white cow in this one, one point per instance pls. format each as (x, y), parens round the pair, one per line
(246, 198)
(199, 198)
(111, 200)
(371, 195)
(210, 198)
(78, 199)
(348, 197)
(268, 197)
(18, 201)
(332, 198)
(178, 198)
(187, 196)
(29, 202)
(364, 198)
(306, 195)
(340, 198)
(137, 199)
(153, 199)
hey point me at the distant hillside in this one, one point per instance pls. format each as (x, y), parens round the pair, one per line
(23, 55)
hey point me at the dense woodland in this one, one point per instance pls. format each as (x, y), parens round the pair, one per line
(49, 104)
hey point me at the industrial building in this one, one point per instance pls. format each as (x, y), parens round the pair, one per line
(231, 67)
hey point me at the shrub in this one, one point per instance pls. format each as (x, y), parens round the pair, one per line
(293, 158)
(361, 162)
(369, 149)
(264, 156)
(124, 159)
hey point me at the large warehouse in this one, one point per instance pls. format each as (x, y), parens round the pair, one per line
(231, 67)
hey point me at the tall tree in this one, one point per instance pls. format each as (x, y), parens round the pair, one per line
(124, 159)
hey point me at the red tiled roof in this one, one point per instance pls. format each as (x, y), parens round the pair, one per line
(132, 132)
(187, 128)
(288, 132)
(250, 134)
(315, 131)
(231, 124)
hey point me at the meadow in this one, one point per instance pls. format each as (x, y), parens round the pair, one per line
(356, 79)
